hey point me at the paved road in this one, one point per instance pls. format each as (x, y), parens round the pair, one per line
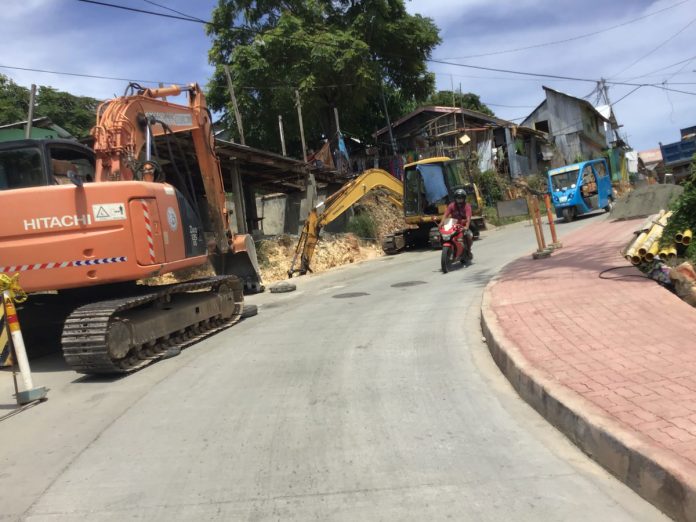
(365, 395)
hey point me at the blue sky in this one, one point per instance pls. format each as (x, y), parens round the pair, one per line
(66, 35)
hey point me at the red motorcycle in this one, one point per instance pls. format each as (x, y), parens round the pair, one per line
(454, 245)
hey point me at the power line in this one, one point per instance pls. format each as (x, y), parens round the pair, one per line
(658, 47)
(144, 11)
(572, 38)
(628, 94)
(63, 73)
(193, 18)
(662, 68)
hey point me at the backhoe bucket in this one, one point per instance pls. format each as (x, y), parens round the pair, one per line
(241, 261)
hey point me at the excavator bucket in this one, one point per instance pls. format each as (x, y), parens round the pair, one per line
(241, 261)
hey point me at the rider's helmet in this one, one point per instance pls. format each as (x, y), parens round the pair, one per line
(460, 195)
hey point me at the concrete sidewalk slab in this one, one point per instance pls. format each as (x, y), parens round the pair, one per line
(611, 363)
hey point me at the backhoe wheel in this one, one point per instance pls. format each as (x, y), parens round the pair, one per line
(446, 259)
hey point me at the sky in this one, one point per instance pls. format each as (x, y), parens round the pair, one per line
(72, 36)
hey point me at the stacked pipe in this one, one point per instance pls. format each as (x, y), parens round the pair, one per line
(647, 245)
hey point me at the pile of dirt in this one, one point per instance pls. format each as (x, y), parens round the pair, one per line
(645, 201)
(275, 255)
(388, 217)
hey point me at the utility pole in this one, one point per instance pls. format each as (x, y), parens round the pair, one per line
(282, 134)
(30, 117)
(299, 117)
(386, 115)
(237, 114)
(605, 93)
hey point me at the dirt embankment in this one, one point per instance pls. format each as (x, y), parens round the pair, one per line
(645, 201)
(332, 250)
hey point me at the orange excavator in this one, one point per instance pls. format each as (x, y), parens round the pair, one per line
(92, 224)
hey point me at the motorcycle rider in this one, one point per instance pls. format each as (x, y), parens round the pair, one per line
(460, 210)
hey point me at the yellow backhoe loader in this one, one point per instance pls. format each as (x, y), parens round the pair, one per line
(428, 187)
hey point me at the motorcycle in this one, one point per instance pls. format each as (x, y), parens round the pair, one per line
(454, 245)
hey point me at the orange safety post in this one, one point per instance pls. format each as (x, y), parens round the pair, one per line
(11, 291)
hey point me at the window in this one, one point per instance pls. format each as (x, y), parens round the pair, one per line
(21, 168)
(542, 126)
(600, 169)
(65, 159)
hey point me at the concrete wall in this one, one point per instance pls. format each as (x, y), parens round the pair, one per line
(272, 209)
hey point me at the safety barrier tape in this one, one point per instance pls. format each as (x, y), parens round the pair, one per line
(148, 227)
(64, 264)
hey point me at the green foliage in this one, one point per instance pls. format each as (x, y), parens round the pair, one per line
(76, 114)
(468, 100)
(363, 226)
(538, 182)
(334, 52)
(491, 186)
(14, 101)
(683, 214)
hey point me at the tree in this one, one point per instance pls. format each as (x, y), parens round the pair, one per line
(76, 114)
(338, 53)
(467, 100)
(14, 101)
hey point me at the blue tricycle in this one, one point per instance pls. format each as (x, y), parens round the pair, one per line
(581, 188)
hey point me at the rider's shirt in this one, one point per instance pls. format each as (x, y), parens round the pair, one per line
(460, 212)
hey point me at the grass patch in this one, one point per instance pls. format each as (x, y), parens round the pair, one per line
(363, 226)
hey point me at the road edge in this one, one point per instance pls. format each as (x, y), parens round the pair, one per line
(655, 474)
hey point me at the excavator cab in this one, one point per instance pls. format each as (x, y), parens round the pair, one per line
(37, 163)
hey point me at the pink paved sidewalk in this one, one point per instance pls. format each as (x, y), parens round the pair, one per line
(623, 351)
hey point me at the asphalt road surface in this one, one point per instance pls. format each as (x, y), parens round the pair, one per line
(367, 394)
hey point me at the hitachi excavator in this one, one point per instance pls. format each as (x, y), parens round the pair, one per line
(90, 224)
(337, 204)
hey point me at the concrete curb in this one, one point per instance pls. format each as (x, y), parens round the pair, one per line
(654, 473)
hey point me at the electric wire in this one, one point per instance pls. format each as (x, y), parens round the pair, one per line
(572, 38)
(659, 46)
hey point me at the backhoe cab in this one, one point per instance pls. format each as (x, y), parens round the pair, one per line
(429, 187)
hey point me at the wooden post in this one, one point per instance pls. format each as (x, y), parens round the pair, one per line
(554, 238)
(30, 117)
(237, 114)
(239, 208)
(532, 214)
(339, 165)
(537, 213)
(338, 126)
(299, 117)
(282, 134)
(389, 126)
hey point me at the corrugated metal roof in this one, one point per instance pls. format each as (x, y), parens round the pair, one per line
(439, 109)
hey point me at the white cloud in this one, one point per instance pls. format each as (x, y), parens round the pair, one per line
(65, 35)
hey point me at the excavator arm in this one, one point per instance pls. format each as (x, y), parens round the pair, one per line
(124, 140)
(337, 204)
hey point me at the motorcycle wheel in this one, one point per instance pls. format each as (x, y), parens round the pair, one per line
(446, 259)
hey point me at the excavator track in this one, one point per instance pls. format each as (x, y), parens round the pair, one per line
(125, 334)
(393, 243)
